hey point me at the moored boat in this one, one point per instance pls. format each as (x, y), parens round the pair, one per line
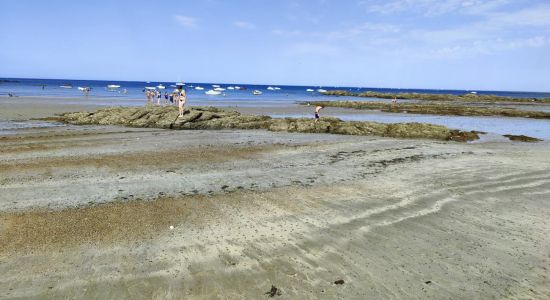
(212, 92)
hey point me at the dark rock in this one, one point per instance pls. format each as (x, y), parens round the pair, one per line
(522, 138)
(274, 291)
(213, 118)
(339, 281)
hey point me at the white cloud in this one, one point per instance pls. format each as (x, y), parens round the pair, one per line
(538, 16)
(432, 7)
(486, 28)
(484, 47)
(186, 21)
(244, 25)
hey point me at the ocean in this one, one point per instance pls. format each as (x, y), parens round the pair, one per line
(131, 93)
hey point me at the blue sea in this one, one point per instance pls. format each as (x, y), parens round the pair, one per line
(131, 93)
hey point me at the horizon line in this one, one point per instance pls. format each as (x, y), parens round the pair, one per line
(292, 85)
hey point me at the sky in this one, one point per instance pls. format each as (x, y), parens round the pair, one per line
(438, 44)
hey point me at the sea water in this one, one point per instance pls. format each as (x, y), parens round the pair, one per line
(131, 93)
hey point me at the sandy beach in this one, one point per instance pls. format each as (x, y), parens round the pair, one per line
(142, 213)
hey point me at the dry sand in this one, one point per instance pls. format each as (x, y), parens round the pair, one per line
(85, 212)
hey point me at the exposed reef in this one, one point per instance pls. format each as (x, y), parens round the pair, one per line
(437, 97)
(522, 138)
(214, 118)
(434, 109)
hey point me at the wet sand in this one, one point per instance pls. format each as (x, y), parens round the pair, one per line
(85, 212)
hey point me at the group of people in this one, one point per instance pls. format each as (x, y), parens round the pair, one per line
(177, 97)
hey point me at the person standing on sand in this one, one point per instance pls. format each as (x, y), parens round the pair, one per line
(317, 110)
(159, 95)
(165, 98)
(182, 98)
(394, 100)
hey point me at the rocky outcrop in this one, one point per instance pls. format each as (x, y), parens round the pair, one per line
(522, 138)
(436, 97)
(214, 118)
(434, 109)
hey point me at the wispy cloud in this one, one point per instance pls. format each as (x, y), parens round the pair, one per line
(186, 21)
(244, 25)
(484, 47)
(432, 7)
(287, 33)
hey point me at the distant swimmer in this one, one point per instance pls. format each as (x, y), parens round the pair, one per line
(317, 110)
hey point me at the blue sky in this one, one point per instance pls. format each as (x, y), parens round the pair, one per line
(468, 44)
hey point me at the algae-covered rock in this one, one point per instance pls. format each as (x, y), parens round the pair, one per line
(522, 138)
(417, 130)
(436, 97)
(215, 118)
(435, 109)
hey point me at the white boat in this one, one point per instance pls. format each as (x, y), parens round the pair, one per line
(237, 87)
(150, 88)
(310, 90)
(113, 86)
(219, 89)
(212, 92)
(277, 88)
(161, 87)
(199, 88)
(179, 83)
(256, 92)
(270, 88)
(473, 93)
(66, 86)
(215, 86)
(230, 88)
(322, 91)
